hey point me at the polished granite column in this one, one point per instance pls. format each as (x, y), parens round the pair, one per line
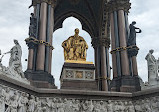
(100, 45)
(40, 62)
(122, 81)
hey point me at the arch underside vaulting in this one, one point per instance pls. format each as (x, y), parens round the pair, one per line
(88, 12)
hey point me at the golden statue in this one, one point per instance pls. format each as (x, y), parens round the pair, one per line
(75, 47)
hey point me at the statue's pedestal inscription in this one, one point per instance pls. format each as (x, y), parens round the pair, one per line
(78, 76)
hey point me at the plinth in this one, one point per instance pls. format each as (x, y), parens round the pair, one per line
(78, 75)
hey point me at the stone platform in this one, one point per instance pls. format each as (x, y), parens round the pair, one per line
(78, 76)
(74, 100)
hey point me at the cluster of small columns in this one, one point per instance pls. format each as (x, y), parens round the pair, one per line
(121, 65)
(101, 48)
(40, 56)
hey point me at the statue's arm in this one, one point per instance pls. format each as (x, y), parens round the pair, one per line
(8, 52)
(139, 30)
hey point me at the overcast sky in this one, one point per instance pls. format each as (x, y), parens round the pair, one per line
(14, 23)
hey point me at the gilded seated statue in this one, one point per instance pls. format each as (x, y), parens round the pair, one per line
(75, 47)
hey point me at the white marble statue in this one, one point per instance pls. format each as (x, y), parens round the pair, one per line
(15, 65)
(153, 68)
(14, 70)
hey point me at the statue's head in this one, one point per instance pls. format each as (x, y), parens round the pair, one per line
(134, 22)
(151, 51)
(16, 42)
(77, 31)
(32, 14)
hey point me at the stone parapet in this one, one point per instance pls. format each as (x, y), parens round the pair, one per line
(84, 100)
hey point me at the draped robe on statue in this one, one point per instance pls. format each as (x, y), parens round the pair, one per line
(75, 48)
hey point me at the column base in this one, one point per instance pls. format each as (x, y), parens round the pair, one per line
(125, 84)
(40, 79)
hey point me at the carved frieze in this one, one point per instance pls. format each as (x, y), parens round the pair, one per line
(12, 100)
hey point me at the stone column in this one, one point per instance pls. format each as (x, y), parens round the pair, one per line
(123, 43)
(30, 59)
(41, 75)
(134, 66)
(51, 34)
(122, 79)
(114, 61)
(100, 45)
(42, 37)
(31, 50)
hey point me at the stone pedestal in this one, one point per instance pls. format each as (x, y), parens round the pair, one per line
(78, 76)
(40, 79)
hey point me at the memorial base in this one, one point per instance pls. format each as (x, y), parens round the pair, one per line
(125, 84)
(40, 79)
(78, 76)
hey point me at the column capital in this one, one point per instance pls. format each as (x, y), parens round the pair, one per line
(50, 2)
(101, 41)
(115, 5)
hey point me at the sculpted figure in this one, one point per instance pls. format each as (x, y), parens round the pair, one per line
(13, 104)
(13, 107)
(33, 26)
(15, 65)
(7, 96)
(2, 104)
(31, 104)
(47, 105)
(60, 106)
(138, 106)
(2, 68)
(67, 105)
(110, 106)
(38, 107)
(54, 105)
(132, 37)
(116, 107)
(147, 105)
(76, 105)
(131, 107)
(102, 107)
(152, 68)
(22, 103)
(87, 106)
(154, 104)
(121, 107)
(75, 47)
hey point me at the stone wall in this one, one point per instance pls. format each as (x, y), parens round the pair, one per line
(18, 97)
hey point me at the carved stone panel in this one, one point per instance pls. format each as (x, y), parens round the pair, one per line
(69, 74)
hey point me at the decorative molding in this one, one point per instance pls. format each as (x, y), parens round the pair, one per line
(101, 41)
(50, 2)
(115, 5)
